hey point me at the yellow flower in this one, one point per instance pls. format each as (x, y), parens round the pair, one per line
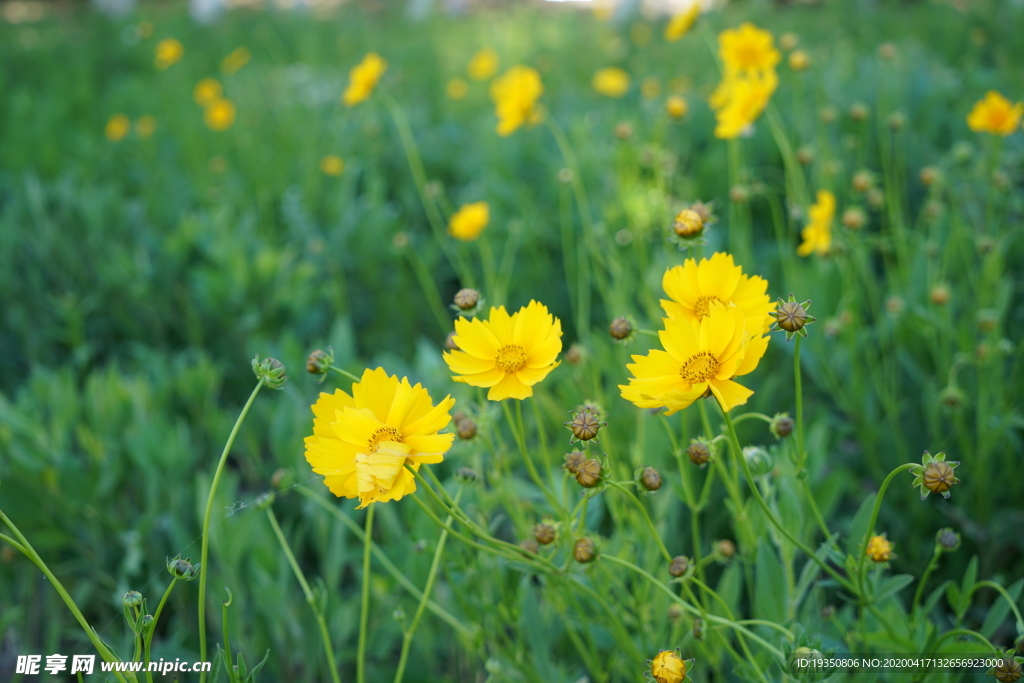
(676, 107)
(483, 64)
(995, 114)
(361, 443)
(879, 549)
(818, 234)
(680, 24)
(650, 88)
(740, 99)
(363, 79)
(332, 165)
(220, 115)
(457, 88)
(506, 353)
(669, 667)
(117, 127)
(207, 91)
(238, 58)
(799, 60)
(701, 357)
(747, 48)
(612, 81)
(145, 126)
(168, 52)
(469, 221)
(515, 96)
(693, 287)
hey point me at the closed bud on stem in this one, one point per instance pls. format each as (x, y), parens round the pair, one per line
(270, 370)
(264, 501)
(947, 539)
(1008, 670)
(935, 475)
(897, 120)
(584, 425)
(620, 329)
(544, 533)
(319, 361)
(584, 550)
(699, 453)
(791, 317)
(859, 111)
(650, 479)
(466, 475)
(725, 548)
(781, 425)
(805, 156)
(282, 479)
(183, 569)
(589, 473)
(131, 599)
(574, 461)
(854, 218)
(465, 428)
(679, 566)
(147, 623)
(466, 299)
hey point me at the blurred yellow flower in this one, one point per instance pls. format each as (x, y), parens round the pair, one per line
(789, 40)
(332, 165)
(220, 114)
(693, 287)
(117, 127)
(995, 114)
(168, 52)
(611, 81)
(508, 354)
(363, 79)
(483, 64)
(650, 88)
(361, 443)
(747, 48)
(799, 60)
(515, 96)
(207, 91)
(879, 549)
(700, 356)
(238, 58)
(468, 222)
(457, 88)
(817, 235)
(676, 106)
(145, 126)
(740, 99)
(680, 24)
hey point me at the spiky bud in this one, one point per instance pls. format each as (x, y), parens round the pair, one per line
(183, 569)
(935, 475)
(791, 317)
(589, 473)
(781, 425)
(319, 361)
(1008, 670)
(574, 460)
(584, 550)
(947, 539)
(699, 453)
(270, 371)
(584, 425)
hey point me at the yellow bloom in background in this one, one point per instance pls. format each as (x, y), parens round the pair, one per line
(332, 165)
(611, 81)
(207, 91)
(879, 549)
(220, 115)
(363, 79)
(508, 354)
(799, 60)
(603, 10)
(747, 48)
(995, 114)
(483, 64)
(676, 107)
(740, 99)
(700, 356)
(468, 222)
(818, 234)
(238, 58)
(169, 52)
(145, 126)
(680, 24)
(515, 94)
(693, 287)
(117, 127)
(457, 88)
(650, 88)
(361, 443)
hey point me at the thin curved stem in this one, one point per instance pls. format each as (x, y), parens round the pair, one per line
(152, 626)
(364, 612)
(647, 518)
(344, 373)
(874, 516)
(1002, 591)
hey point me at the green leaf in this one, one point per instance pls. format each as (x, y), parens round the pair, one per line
(1000, 608)
(893, 585)
(953, 596)
(770, 601)
(928, 605)
(728, 589)
(859, 526)
(970, 576)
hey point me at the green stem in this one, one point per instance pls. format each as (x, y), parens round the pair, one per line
(227, 640)
(152, 626)
(647, 518)
(344, 373)
(798, 384)
(874, 517)
(965, 632)
(924, 580)
(1002, 591)
(519, 433)
(364, 613)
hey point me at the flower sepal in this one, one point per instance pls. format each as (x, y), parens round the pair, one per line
(935, 474)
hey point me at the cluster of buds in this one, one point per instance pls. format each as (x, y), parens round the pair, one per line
(467, 302)
(690, 225)
(270, 371)
(135, 612)
(791, 317)
(935, 475)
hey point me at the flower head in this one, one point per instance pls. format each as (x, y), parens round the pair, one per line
(362, 79)
(935, 474)
(817, 235)
(693, 287)
(747, 48)
(676, 107)
(680, 24)
(799, 60)
(469, 221)
(611, 81)
(508, 354)
(483, 64)
(332, 165)
(879, 549)
(117, 127)
(207, 91)
(515, 96)
(701, 357)
(669, 667)
(740, 99)
(238, 58)
(219, 115)
(362, 442)
(995, 114)
(168, 52)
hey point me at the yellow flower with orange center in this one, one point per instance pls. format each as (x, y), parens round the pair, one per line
(740, 99)
(817, 235)
(169, 52)
(469, 221)
(219, 115)
(515, 96)
(995, 114)
(680, 24)
(363, 78)
(207, 91)
(747, 48)
(362, 442)
(483, 64)
(117, 127)
(612, 81)
(508, 354)
(693, 287)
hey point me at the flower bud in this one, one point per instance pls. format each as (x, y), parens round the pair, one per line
(758, 460)
(894, 305)
(688, 223)
(805, 156)
(788, 40)
(947, 539)
(183, 569)
(897, 120)
(589, 474)
(466, 475)
(319, 361)
(679, 566)
(799, 60)
(270, 371)
(952, 398)
(584, 425)
(854, 218)
(529, 545)
(146, 622)
(574, 461)
(467, 299)
(876, 198)
(574, 356)
(620, 329)
(939, 295)
(781, 425)
(1008, 670)
(465, 428)
(449, 342)
(725, 548)
(935, 475)
(859, 111)
(675, 612)
(738, 194)
(650, 479)
(131, 599)
(863, 181)
(930, 175)
(264, 501)
(544, 533)
(827, 612)
(879, 549)
(565, 175)
(698, 453)
(676, 107)
(792, 317)
(584, 551)
(623, 131)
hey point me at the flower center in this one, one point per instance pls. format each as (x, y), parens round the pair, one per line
(702, 307)
(699, 368)
(385, 433)
(511, 358)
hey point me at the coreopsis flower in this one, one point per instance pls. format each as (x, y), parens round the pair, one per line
(456, 89)
(701, 357)
(117, 127)
(469, 221)
(332, 165)
(817, 235)
(362, 442)
(747, 49)
(207, 91)
(676, 107)
(235, 60)
(169, 52)
(219, 115)
(611, 81)
(995, 114)
(693, 287)
(668, 666)
(145, 126)
(740, 99)
(515, 96)
(483, 64)
(362, 79)
(507, 354)
(879, 549)
(680, 24)
(935, 474)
